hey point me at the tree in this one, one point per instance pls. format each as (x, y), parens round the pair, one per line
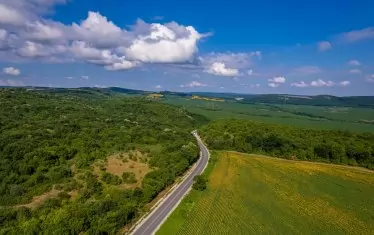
(200, 183)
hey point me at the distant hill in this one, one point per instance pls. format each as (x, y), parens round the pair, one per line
(319, 100)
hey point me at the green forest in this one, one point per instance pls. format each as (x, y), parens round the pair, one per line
(340, 147)
(49, 141)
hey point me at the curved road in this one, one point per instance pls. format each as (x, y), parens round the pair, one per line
(156, 218)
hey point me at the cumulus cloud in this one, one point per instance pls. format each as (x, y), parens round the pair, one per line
(355, 71)
(228, 64)
(95, 40)
(85, 77)
(324, 46)
(301, 84)
(11, 71)
(220, 69)
(10, 15)
(98, 30)
(158, 87)
(354, 63)
(170, 43)
(357, 35)
(322, 83)
(276, 81)
(193, 84)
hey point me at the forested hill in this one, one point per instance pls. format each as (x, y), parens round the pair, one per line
(319, 100)
(291, 142)
(57, 147)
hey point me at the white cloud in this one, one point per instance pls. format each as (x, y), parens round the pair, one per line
(324, 46)
(69, 78)
(319, 83)
(301, 84)
(232, 60)
(98, 30)
(277, 80)
(255, 86)
(322, 83)
(308, 69)
(170, 43)
(10, 16)
(273, 84)
(196, 75)
(122, 65)
(85, 77)
(11, 82)
(95, 40)
(193, 84)
(32, 49)
(250, 72)
(220, 69)
(357, 35)
(39, 31)
(355, 71)
(158, 87)
(354, 63)
(11, 71)
(344, 83)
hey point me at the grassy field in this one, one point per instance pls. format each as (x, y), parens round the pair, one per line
(352, 119)
(249, 194)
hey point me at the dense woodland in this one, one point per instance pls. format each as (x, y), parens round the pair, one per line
(47, 136)
(291, 142)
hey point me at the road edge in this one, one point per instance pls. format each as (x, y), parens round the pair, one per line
(169, 193)
(187, 192)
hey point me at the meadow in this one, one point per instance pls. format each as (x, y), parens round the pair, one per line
(320, 117)
(253, 194)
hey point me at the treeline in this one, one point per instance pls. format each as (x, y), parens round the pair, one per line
(339, 147)
(46, 137)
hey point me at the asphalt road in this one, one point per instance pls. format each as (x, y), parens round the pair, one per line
(158, 216)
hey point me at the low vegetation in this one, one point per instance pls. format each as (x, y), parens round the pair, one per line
(251, 194)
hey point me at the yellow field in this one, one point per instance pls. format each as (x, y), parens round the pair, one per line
(250, 194)
(196, 97)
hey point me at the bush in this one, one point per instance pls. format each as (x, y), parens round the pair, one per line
(200, 183)
(128, 177)
(111, 179)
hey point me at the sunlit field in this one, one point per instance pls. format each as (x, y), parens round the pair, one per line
(251, 194)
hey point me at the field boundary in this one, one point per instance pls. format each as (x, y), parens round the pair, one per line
(303, 161)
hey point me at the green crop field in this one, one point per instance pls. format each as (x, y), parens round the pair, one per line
(251, 194)
(341, 118)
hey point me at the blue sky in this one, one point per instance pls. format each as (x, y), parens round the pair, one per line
(316, 47)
